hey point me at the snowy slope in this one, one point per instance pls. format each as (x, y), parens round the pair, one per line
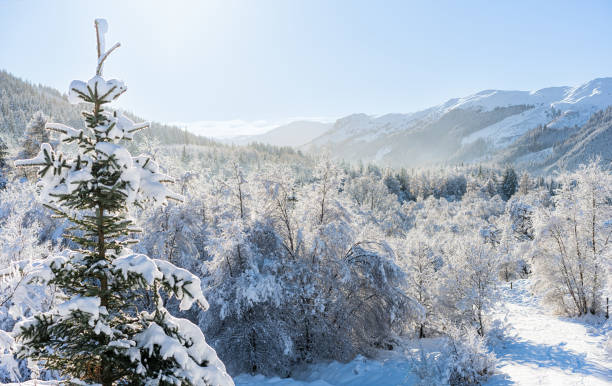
(542, 349)
(495, 118)
(574, 106)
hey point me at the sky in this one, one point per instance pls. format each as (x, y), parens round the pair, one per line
(234, 67)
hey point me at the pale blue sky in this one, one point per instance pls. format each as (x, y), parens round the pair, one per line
(272, 60)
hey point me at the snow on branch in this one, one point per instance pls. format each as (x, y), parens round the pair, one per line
(42, 159)
(101, 29)
(184, 285)
(66, 131)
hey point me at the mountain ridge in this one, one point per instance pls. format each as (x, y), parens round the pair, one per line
(489, 121)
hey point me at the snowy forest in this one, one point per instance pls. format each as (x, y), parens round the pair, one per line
(140, 254)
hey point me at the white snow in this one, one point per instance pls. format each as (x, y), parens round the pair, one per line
(537, 157)
(392, 371)
(189, 356)
(538, 349)
(138, 264)
(108, 150)
(109, 89)
(543, 349)
(89, 305)
(40, 159)
(102, 26)
(189, 286)
(574, 106)
(66, 131)
(490, 99)
(504, 131)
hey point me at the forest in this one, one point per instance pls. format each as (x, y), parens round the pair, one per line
(195, 262)
(303, 260)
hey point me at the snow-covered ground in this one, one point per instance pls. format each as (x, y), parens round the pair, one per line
(536, 348)
(542, 349)
(390, 368)
(359, 372)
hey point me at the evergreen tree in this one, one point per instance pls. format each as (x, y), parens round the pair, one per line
(35, 135)
(3, 153)
(3, 157)
(509, 183)
(111, 326)
(491, 185)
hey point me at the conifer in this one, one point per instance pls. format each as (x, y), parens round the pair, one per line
(109, 325)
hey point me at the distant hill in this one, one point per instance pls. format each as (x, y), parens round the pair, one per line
(293, 134)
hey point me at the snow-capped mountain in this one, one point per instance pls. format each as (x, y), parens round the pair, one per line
(475, 127)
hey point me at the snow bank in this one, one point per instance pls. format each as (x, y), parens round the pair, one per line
(358, 372)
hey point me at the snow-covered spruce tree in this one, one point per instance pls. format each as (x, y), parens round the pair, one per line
(111, 326)
(35, 135)
(3, 153)
(509, 183)
(3, 157)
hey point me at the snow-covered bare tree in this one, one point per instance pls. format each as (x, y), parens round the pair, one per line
(311, 281)
(470, 281)
(421, 265)
(525, 184)
(572, 245)
(19, 239)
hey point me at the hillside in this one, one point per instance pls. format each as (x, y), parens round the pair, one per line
(19, 100)
(491, 125)
(548, 129)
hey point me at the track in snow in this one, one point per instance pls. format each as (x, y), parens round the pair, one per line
(539, 348)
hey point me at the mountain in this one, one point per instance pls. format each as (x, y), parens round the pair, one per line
(491, 125)
(19, 100)
(548, 129)
(293, 134)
